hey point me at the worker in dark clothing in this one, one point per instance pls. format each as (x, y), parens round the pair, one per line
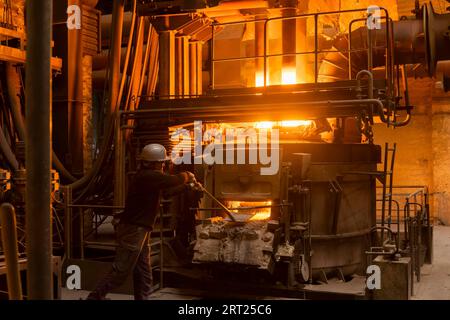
(136, 222)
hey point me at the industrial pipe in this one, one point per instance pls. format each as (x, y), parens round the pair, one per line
(116, 47)
(75, 95)
(7, 152)
(14, 92)
(38, 149)
(9, 243)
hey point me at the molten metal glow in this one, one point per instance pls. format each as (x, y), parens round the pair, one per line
(264, 125)
(295, 123)
(289, 76)
(257, 213)
(282, 124)
(259, 79)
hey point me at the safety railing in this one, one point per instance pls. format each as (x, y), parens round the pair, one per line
(266, 56)
(413, 225)
(74, 219)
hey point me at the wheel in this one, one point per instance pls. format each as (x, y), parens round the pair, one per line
(300, 265)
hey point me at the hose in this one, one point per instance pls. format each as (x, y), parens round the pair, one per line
(109, 132)
(7, 152)
(14, 92)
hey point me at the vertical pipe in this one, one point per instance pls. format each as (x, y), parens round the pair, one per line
(81, 215)
(38, 149)
(289, 43)
(265, 53)
(195, 68)
(211, 53)
(161, 247)
(119, 167)
(116, 48)
(370, 49)
(67, 221)
(167, 64)
(9, 243)
(316, 48)
(303, 72)
(75, 95)
(199, 67)
(182, 66)
(259, 52)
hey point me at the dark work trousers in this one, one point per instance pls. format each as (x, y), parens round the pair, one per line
(132, 255)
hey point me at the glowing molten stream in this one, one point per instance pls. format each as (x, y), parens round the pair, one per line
(255, 209)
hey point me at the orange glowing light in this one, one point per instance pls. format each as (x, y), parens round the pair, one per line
(288, 76)
(259, 79)
(295, 123)
(260, 216)
(283, 124)
(254, 208)
(264, 125)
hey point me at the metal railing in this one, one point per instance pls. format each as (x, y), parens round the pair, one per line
(388, 46)
(83, 238)
(414, 226)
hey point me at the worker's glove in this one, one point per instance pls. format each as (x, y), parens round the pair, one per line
(197, 186)
(191, 177)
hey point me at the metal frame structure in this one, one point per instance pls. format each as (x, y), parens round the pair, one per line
(316, 50)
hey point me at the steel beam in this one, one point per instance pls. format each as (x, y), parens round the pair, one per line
(38, 149)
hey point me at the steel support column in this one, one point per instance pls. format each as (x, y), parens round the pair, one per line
(289, 40)
(38, 149)
(195, 68)
(167, 64)
(182, 66)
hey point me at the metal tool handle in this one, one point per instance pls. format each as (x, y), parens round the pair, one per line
(228, 212)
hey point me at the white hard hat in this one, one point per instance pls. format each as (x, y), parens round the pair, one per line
(154, 152)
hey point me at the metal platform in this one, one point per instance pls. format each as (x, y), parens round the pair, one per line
(301, 101)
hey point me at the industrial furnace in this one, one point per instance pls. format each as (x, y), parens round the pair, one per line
(300, 196)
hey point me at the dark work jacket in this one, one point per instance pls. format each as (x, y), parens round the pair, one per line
(144, 193)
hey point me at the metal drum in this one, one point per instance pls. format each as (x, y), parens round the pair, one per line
(341, 179)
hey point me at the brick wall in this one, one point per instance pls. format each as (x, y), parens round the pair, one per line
(423, 147)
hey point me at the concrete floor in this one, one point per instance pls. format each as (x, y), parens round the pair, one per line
(435, 281)
(434, 284)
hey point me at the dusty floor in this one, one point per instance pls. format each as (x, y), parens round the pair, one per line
(435, 282)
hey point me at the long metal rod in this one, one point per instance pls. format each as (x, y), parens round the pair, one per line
(9, 243)
(38, 149)
(68, 221)
(161, 248)
(228, 212)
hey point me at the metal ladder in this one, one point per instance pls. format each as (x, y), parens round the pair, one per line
(386, 178)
